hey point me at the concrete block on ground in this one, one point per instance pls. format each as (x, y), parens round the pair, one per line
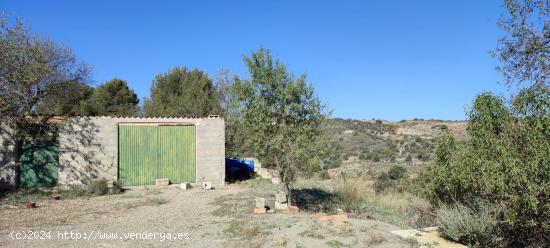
(280, 197)
(162, 182)
(110, 184)
(281, 206)
(260, 210)
(206, 185)
(185, 186)
(260, 202)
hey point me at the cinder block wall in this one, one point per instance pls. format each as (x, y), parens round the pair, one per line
(8, 167)
(89, 148)
(211, 151)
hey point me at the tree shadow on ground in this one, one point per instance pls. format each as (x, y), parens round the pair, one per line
(315, 200)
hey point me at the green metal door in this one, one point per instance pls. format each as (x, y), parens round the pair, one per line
(38, 165)
(177, 153)
(150, 152)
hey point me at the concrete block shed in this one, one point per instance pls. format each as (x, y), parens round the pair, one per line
(136, 151)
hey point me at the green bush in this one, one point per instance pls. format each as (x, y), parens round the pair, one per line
(98, 187)
(471, 226)
(72, 191)
(384, 182)
(441, 127)
(397, 172)
(505, 161)
(116, 189)
(376, 158)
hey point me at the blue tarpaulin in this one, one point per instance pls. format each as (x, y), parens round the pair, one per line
(236, 168)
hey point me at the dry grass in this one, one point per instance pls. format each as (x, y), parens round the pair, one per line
(352, 191)
(398, 208)
(313, 232)
(397, 201)
(246, 231)
(343, 231)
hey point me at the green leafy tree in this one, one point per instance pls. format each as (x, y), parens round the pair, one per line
(223, 82)
(182, 92)
(524, 52)
(281, 117)
(32, 71)
(58, 102)
(113, 98)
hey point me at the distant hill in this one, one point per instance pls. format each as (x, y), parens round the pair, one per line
(376, 145)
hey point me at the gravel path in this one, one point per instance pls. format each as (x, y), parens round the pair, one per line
(216, 218)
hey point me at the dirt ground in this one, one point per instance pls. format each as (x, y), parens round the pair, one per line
(217, 218)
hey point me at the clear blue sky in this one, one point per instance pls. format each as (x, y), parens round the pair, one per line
(367, 59)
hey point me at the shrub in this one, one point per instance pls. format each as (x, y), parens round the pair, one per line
(505, 161)
(442, 127)
(98, 187)
(384, 182)
(376, 158)
(116, 189)
(72, 191)
(471, 226)
(409, 158)
(397, 172)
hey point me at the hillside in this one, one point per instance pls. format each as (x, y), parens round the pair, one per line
(374, 146)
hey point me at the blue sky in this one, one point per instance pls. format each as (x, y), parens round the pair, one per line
(367, 59)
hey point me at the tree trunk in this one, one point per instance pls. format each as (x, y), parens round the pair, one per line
(288, 193)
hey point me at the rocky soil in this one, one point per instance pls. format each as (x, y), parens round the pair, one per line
(217, 218)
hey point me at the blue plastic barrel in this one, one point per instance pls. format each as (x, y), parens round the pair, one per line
(237, 168)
